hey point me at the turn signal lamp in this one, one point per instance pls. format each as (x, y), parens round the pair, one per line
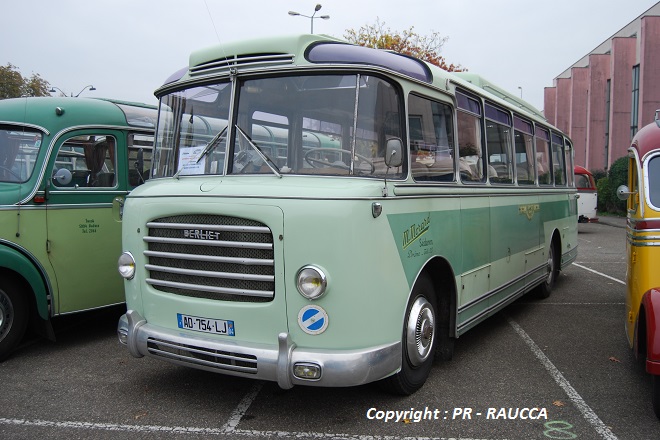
(307, 371)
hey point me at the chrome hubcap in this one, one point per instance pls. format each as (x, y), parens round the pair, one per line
(420, 331)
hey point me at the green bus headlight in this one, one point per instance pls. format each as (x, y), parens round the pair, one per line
(126, 265)
(311, 282)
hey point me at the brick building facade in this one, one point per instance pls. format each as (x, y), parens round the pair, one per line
(603, 99)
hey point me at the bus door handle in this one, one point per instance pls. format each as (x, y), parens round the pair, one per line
(118, 208)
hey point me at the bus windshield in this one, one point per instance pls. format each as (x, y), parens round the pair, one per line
(18, 153)
(318, 124)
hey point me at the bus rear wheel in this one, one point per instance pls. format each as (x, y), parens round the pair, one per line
(13, 318)
(545, 288)
(418, 340)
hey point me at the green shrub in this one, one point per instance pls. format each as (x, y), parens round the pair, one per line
(616, 176)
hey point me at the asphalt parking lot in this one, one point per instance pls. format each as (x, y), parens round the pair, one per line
(558, 368)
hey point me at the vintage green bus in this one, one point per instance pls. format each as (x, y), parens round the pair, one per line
(402, 206)
(66, 165)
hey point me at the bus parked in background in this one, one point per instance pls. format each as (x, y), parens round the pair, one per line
(643, 250)
(588, 200)
(66, 166)
(400, 206)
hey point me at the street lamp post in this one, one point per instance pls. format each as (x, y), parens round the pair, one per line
(53, 89)
(311, 17)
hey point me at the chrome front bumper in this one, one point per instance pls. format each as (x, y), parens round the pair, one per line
(276, 363)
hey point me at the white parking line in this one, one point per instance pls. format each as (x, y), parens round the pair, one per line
(600, 273)
(156, 429)
(572, 394)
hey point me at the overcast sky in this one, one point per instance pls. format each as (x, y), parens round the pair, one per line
(127, 48)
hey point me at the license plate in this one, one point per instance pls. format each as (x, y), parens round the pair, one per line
(206, 325)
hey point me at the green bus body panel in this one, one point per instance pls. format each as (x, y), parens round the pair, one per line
(73, 234)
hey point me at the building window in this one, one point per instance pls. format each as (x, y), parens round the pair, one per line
(608, 91)
(635, 101)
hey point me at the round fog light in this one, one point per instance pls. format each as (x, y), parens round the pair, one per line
(126, 265)
(311, 282)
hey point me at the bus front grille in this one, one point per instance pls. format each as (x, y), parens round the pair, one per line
(211, 256)
(202, 357)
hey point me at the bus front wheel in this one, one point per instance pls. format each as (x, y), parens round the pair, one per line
(13, 317)
(418, 340)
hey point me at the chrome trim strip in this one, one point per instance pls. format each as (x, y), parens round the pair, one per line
(210, 258)
(219, 243)
(225, 228)
(213, 289)
(26, 124)
(210, 274)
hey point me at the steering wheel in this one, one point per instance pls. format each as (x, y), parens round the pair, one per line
(320, 163)
(11, 172)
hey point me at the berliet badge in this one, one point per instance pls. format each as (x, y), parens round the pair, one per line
(201, 234)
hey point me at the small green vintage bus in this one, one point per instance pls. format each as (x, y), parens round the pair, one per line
(327, 214)
(66, 165)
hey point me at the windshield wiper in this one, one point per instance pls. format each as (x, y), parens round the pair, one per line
(265, 157)
(207, 149)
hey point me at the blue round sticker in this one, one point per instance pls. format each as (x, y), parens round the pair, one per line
(313, 320)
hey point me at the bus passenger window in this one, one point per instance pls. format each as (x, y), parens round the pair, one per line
(559, 168)
(498, 145)
(524, 151)
(431, 140)
(543, 167)
(470, 147)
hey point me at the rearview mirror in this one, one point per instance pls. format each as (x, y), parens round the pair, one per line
(394, 153)
(623, 192)
(62, 177)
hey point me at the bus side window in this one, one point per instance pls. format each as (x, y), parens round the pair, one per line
(139, 152)
(431, 140)
(470, 147)
(543, 165)
(90, 159)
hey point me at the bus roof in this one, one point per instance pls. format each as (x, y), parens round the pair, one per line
(43, 112)
(647, 139)
(301, 50)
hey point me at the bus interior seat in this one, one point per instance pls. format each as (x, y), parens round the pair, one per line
(105, 180)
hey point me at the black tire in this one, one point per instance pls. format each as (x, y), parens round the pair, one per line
(13, 317)
(656, 396)
(545, 288)
(418, 340)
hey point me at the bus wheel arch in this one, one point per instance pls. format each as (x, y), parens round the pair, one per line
(427, 328)
(553, 267)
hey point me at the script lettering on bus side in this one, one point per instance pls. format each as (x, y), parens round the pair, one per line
(415, 231)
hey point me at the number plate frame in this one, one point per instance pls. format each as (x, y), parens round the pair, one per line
(206, 325)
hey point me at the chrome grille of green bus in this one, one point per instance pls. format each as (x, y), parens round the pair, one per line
(210, 256)
(195, 356)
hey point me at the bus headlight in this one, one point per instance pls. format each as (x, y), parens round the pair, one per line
(311, 282)
(126, 265)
